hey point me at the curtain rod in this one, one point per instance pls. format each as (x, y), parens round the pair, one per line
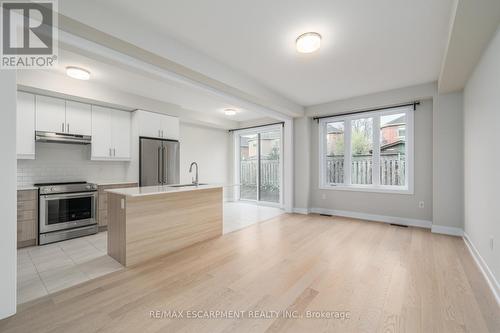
(414, 104)
(245, 128)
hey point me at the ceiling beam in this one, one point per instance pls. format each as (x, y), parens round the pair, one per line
(473, 23)
(275, 106)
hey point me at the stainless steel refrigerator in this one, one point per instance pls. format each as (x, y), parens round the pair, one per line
(159, 161)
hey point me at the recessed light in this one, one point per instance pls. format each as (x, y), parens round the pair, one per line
(308, 42)
(77, 73)
(229, 112)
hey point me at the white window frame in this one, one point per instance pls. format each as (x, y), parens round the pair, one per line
(375, 187)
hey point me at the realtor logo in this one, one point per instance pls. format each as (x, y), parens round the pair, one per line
(28, 34)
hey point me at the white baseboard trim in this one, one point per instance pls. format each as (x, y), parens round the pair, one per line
(304, 211)
(373, 217)
(483, 267)
(451, 231)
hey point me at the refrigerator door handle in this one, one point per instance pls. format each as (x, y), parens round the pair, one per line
(159, 165)
(164, 180)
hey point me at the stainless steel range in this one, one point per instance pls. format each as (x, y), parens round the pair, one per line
(67, 210)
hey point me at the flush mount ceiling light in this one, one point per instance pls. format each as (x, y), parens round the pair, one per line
(229, 112)
(77, 73)
(308, 42)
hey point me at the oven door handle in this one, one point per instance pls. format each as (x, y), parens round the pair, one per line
(68, 196)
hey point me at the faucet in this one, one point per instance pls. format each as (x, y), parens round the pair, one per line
(195, 180)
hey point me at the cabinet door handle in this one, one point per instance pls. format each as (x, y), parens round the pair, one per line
(114, 151)
(109, 151)
(62, 127)
(67, 127)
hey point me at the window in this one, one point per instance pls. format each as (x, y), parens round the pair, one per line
(362, 151)
(335, 152)
(369, 151)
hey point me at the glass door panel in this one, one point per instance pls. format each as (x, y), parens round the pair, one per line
(249, 158)
(269, 166)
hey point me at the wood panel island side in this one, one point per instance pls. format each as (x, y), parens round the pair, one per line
(149, 222)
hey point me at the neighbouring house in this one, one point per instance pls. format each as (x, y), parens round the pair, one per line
(335, 140)
(269, 146)
(393, 131)
(397, 147)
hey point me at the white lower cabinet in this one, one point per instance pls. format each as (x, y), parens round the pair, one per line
(25, 132)
(110, 134)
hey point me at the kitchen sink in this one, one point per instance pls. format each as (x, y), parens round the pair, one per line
(187, 185)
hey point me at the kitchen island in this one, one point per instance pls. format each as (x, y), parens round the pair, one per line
(149, 222)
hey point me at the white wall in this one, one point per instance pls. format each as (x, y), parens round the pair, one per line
(63, 162)
(209, 148)
(302, 163)
(448, 163)
(482, 158)
(8, 197)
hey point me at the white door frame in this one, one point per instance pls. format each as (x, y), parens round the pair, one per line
(237, 155)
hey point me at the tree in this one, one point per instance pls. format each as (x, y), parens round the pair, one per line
(360, 143)
(362, 130)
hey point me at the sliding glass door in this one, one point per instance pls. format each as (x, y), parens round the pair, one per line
(249, 151)
(269, 166)
(260, 165)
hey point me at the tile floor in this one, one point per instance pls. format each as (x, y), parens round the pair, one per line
(42, 270)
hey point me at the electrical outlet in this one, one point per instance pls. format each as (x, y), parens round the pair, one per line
(492, 243)
(421, 204)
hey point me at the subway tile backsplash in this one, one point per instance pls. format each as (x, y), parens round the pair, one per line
(64, 162)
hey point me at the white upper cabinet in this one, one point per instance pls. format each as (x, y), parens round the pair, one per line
(25, 135)
(155, 125)
(78, 118)
(50, 114)
(120, 134)
(170, 127)
(110, 134)
(101, 138)
(60, 116)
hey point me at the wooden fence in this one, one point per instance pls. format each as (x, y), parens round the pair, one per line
(392, 169)
(269, 173)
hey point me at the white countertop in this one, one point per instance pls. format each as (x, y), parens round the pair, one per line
(105, 183)
(153, 190)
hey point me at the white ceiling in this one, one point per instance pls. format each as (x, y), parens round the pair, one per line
(368, 46)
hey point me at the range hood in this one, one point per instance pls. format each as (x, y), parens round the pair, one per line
(62, 138)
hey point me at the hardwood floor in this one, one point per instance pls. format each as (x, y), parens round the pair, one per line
(384, 278)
